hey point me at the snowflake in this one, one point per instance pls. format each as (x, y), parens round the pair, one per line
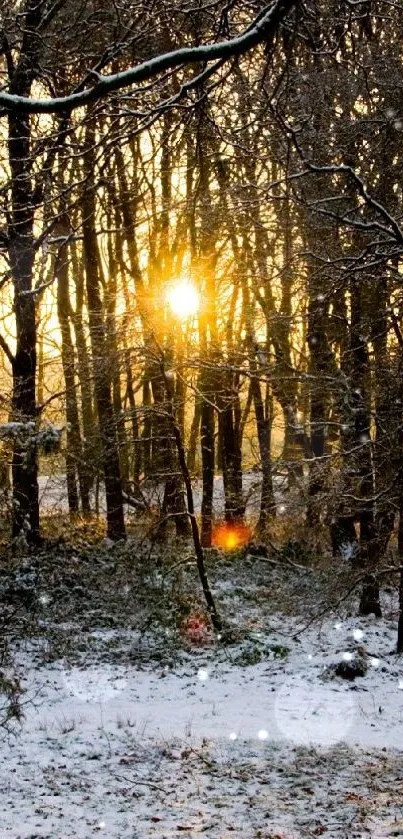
(44, 599)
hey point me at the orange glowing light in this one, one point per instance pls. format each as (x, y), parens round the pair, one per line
(231, 536)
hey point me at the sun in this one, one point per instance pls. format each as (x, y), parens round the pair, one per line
(183, 299)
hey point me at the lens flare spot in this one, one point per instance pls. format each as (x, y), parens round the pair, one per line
(229, 537)
(196, 630)
(202, 674)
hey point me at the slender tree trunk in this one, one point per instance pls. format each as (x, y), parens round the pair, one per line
(173, 502)
(263, 424)
(74, 458)
(25, 514)
(207, 456)
(232, 460)
(361, 401)
(112, 337)
(194, 433)
(84, 373)
(214, 615)
(136, 445)
(102, 380)
(319, 399)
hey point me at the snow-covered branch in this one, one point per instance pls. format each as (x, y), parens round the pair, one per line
(263, 28)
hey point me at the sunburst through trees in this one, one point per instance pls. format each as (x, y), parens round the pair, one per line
(201, 235)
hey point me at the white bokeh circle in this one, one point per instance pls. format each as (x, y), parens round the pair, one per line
(313, 713)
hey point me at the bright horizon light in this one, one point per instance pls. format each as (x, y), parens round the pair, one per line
(183, 299)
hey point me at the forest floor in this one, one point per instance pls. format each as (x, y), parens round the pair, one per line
(139, 722)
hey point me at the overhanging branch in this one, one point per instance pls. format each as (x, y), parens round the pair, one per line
(264, 27)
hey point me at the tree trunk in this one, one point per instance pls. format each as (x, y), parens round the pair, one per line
(361, 405)
(193, 435)
(231, 460)
(25, 512)
(74, 456)
(207, 457)
(263, 424)
(84, 373)
(102, 378)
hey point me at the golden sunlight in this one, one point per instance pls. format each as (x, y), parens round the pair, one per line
(183, 299)
(228, 537)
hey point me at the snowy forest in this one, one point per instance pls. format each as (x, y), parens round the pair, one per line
(201, 418)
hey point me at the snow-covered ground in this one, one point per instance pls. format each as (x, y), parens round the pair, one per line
(274, 750)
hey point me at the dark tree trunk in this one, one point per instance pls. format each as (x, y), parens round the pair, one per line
(165, 461)
(147, 427)
(112, 337)
(84, 373)
(136, 447)
(231, 460)
(194, 434)
(344, 537)
(319, 405)
(75, 465)
(361, 401)
(215, 617)
(102, 375)
(25, 513)
(263, 424)
(207, 457)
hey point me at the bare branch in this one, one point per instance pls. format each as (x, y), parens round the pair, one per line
(262, 29)
(6, 349)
